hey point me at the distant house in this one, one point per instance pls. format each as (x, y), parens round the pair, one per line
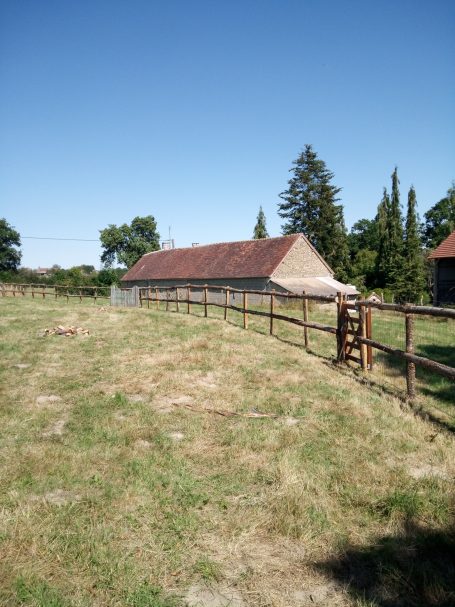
(444, 272)
(42, 271)
(286, 264)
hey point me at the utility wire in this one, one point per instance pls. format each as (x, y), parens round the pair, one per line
(52, 238)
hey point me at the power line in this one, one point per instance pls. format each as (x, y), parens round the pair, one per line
(53, 238)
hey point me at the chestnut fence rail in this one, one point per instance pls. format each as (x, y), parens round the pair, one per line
(414, 346)
(55, 291)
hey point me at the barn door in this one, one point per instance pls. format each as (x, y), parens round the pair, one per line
(355, 322)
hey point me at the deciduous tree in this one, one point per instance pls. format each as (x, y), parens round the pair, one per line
(10, 241)
(440, 220)
(127, 243)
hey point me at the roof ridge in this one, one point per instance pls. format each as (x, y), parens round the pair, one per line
(212, 244)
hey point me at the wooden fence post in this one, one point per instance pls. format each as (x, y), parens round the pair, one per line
(363, 332)
(410, 367)
(157, 298)
(205, 301)
(228, 299)
(369, 312)
(188, 295)
(167, 300)
(272, 306)
(305, 318)
(245, 307)
(340, 326)
(177, 299)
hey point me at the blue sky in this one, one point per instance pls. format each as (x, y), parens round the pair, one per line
(194, 111)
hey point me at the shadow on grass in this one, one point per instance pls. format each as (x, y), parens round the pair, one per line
(435, 385)
(413, 569)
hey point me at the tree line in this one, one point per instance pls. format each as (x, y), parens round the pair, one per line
(388, 252)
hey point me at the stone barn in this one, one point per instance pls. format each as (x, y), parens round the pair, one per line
(444, 272)
(286, 264)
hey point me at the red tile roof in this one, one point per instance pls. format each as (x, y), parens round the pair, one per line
(244, 259)
(445, 249)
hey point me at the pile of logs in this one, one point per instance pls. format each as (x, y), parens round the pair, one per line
(68, 331)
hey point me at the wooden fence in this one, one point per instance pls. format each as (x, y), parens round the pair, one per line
(56, 291)
(351, 332)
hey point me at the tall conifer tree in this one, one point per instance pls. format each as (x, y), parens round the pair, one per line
(413, 275)
(395, 262)
(382, 221)
(310, 206)
(260, 229)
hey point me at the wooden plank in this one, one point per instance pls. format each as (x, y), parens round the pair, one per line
(353, 358)
(432, 365)
(305, 318)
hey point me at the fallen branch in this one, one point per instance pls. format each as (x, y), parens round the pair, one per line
(224, 412)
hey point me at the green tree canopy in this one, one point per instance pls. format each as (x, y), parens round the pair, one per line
(440, 220)
(10, 240)
(260, 229)
(310, 206)
(363, 235)
(127, 243)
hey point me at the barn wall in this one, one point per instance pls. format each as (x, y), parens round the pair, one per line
(301, 262)
(238, 283)
(445, 281)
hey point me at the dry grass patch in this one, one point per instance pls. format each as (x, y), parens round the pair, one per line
(116, 494)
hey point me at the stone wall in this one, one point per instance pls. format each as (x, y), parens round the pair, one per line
(302, 261)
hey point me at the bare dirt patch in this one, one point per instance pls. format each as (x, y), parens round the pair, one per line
(58, 497)
(55, 429)
(165, 404)
(176, 436)
(213, 596)
(48, 400)
(428, 470)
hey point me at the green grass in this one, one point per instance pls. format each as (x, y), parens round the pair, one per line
(110, 495)
(434, 338)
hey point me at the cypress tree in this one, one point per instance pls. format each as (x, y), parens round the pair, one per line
(382, 221)
(395, 262)
(413, 275)
(310, 206)
(260, 229)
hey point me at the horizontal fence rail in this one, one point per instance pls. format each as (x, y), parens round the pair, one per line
(55, 291)
(359, 329)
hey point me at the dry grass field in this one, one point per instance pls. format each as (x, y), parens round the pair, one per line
(121, 486)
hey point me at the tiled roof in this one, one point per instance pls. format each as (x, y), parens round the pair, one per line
(244, 259)
(445, 249)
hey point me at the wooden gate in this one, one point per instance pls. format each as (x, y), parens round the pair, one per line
(128, 298)
(355, 322)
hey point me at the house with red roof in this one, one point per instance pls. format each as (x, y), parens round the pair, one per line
(286, 264)
(444, 272)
